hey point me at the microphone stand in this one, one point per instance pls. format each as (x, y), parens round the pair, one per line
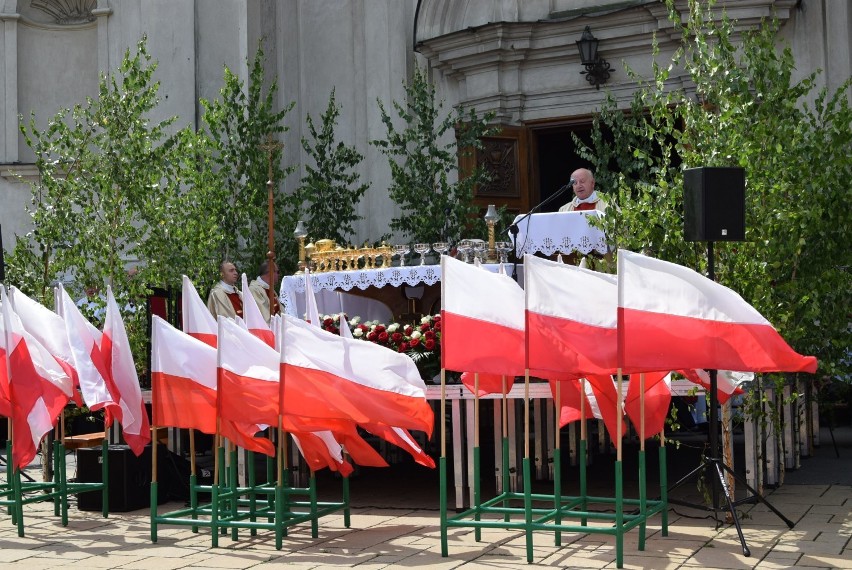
(513, 228)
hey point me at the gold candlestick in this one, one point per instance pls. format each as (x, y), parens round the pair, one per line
(300, 233)
(491, 217)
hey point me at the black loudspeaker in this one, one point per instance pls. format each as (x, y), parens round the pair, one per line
(129, 478)
(714, 204)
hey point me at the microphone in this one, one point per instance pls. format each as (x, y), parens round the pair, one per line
(571, 183)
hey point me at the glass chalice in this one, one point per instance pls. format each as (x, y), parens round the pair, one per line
(480, 249)
(422, 249)
(441, 247)
(465, 246)
(401, 250)
(503, 248)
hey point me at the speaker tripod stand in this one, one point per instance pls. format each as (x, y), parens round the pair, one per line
(715, 466)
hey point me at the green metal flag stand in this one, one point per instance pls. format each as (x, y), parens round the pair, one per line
(15, 492)
(273, 505)
(529, 511)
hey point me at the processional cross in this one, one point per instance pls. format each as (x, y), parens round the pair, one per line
(270, 146)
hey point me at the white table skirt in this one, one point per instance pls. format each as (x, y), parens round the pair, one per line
(292, 289)
(559, 232)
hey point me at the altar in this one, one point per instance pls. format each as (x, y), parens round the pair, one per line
(385, 293)
(373, 294)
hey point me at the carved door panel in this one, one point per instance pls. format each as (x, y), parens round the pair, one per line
(505, 156)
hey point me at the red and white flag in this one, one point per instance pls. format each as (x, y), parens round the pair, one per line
(571, 319)
(183, 379)
(672, 318)
(197, 320)
(49, 329)
(395, 435)
(96, 383)
(115, 348)
(324, 376)
(248, 386)
(253, 319)
(38, 387)
(482, 324)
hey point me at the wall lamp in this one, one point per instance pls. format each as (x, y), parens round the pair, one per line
(597, 68)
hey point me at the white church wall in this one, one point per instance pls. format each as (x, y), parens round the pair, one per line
(363, 51)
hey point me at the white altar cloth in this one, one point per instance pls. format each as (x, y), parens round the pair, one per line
(559, 232)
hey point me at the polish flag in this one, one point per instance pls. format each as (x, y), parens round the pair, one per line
(96, 383)
(183, 379)
(38, 388)
(482, 324)
(254, 320)
(395, 435)
(248, 386)
(571, 319)
(324, 376)
(727, 382)
(49, 329)
(197, 320)
(658, 400)
(115, 348)
(672, 318)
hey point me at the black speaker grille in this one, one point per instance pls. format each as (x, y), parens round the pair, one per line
(714, 204)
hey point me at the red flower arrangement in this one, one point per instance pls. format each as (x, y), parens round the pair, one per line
(420, 341)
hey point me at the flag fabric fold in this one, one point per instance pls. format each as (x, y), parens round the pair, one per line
(488, 383)
(96, 384)
(672, 318)
(727, 382)
(569, 401)
(602, 396)
(115, 348)
(658, 399)
(183, 379)
(320, 449)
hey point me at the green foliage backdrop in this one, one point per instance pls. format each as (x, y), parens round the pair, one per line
(794, 144)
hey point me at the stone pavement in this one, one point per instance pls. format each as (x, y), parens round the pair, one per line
(817, 497)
